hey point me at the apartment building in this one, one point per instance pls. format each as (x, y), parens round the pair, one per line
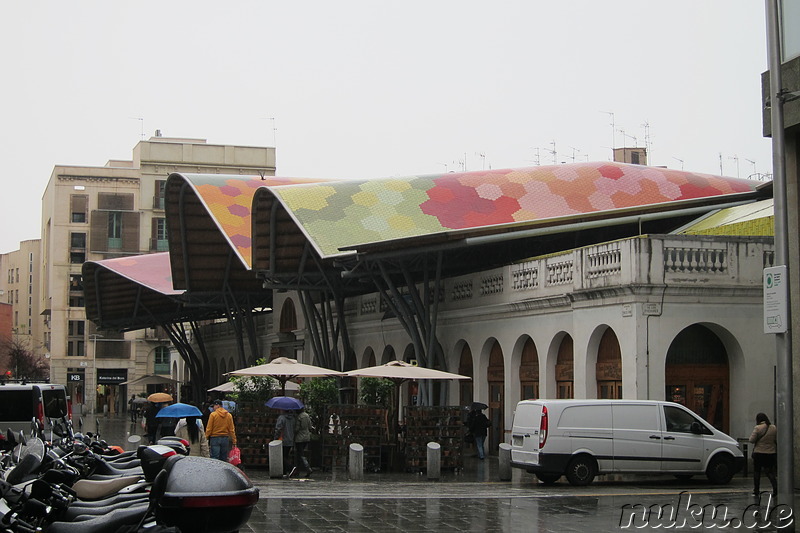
(95, 213)
(19, 288)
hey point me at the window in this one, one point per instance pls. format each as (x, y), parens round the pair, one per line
(114, 230)
(680, 421)
(77, 240)
(76, 348)
(79, 204)
(77, 258)
(635, 158)
(76, 328)
(162, 360)
(75, 283)
(159, 235)
(76, 300)
(158, 199)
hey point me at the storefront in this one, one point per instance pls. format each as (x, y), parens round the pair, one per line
(110, 397)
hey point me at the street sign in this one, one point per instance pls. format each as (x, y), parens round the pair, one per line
(776, 288)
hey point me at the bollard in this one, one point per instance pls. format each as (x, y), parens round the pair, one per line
(505, 462)
(355, 465)
(434, 460)
(275, 458)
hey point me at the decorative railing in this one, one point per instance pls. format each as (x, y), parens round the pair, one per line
(560, 272)
(491, 284)
(606, 262)
(462, 290)
(525, 277)
(695, 260)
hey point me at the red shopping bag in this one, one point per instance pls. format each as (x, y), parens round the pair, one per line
(235, 456)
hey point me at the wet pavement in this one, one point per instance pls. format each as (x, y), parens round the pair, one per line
(474, 499)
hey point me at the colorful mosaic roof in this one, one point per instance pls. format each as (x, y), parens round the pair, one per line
(228, 198)
(151, 271)
(337, 215)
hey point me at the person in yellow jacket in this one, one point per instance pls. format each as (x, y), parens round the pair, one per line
(220, 432)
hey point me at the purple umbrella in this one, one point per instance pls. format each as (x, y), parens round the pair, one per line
(284, 402)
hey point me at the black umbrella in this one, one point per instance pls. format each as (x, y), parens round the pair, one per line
(478, 406)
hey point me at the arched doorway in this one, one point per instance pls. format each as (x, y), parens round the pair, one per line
(465, 394)
(697, 374)
(608, 369)
(529, 371)
(286, 343)
(565, 369)
(496, 377)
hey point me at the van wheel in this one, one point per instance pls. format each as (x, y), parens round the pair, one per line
(581, 470)
(548, 479)
(720, 469)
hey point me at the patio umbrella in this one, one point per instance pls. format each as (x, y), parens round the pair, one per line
(283, 369)
(228, 387)
(399, 372)
(159, 397)
(178, 410)
(284, 402)
(151, 379)
(139, 399)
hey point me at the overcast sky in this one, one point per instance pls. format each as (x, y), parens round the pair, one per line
(376, 88)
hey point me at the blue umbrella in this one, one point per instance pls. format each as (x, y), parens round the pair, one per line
(284, 402)
(179, 410)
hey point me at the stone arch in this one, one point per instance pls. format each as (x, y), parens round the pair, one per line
(368, 359)
(288, 319)
(565, 368)
(528, 369)
(495, 381)
(465, 368)
(388, 354)
(697, 374)
(604, 364)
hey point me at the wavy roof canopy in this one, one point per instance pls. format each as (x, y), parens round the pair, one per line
(130, 292)
(339, 217)
(208, 220)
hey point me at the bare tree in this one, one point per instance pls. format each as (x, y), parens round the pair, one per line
(18, 358)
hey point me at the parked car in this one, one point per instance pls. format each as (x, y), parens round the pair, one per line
(45, 403)
(582, 438)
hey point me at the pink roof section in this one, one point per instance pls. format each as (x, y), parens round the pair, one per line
(151, 270)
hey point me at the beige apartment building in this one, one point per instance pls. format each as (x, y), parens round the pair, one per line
(95, 213)
(19, 287)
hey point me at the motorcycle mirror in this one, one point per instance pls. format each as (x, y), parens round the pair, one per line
(22, 439)
(10, 436)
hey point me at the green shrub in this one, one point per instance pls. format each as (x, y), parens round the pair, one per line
(317, 394)
(376, 391)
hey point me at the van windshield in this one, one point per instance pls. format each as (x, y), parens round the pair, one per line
(16, 405)
(55, 403)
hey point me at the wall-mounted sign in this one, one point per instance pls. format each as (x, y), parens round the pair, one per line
(776, 284)
(111, 376)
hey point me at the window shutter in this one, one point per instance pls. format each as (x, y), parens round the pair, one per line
(130, 231)
(115, 202)
(79, 203)
(98, 240)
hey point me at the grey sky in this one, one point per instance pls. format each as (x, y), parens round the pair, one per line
(377, 88)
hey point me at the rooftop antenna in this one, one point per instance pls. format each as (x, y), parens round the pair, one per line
(482, 155)
(553, 152)
(721, 172)
(647, 143)
(574, 151)
(755, 172)
(613, 130)
(736, 158)
(141, 122)
(680, 160)
(537, 160)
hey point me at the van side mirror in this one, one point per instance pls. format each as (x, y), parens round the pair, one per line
(696, 428)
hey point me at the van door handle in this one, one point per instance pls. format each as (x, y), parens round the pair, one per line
(654, 437)
(669, 438)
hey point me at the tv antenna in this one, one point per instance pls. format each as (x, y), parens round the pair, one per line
(553, 152)
(679, 160)
(141, 122)
(613, 130)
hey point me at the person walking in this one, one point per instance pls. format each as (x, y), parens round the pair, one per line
(302, 437)
(220, 432)
(191, 429)
(284, 430)
(151, 423)
(478, 426)
(765, 452)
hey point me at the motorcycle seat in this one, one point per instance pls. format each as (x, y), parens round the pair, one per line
(112, 521)
(88, 489)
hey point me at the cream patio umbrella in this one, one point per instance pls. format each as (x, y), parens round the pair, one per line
(399, 372)
(228, 387)
(151, 379)
(283, 369)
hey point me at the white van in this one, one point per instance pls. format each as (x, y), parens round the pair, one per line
(583, 438)
(23, 403)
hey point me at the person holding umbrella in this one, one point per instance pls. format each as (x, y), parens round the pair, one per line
(285, 428)
(220, 432)
(478, 425)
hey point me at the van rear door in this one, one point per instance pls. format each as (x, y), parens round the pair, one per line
(525, 433)
(637, 437)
